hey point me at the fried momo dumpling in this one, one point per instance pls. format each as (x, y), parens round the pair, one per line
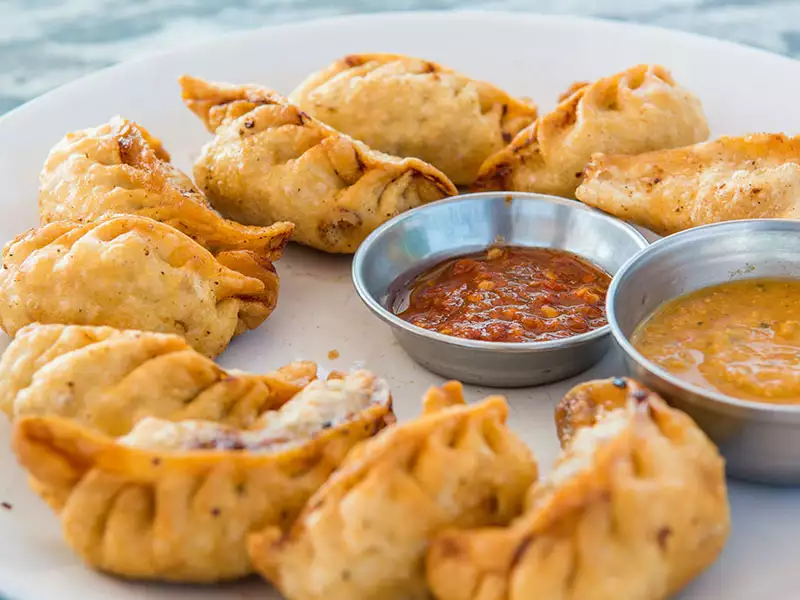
(635, 111)
(411, 107)
(131, 272)
(174, 501)
(755, 176)
(271, 162)
(363, 535)
(635, 508)
(110, 379)
(118, 168)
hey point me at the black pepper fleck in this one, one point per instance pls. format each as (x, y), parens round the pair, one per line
(215, 512)
(6, 505)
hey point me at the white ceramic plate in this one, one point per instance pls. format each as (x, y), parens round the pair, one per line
(742, 89)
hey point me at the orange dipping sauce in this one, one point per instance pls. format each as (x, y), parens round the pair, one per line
(740, 338)
(508, 294)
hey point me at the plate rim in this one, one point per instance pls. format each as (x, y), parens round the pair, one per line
(495, 16)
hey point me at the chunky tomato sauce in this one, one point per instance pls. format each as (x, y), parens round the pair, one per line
(508, 294)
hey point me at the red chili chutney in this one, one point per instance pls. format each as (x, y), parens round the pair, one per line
(509, 294)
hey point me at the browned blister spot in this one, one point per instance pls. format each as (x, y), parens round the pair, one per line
(520, 550)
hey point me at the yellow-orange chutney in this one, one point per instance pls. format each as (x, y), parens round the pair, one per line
(740, 338)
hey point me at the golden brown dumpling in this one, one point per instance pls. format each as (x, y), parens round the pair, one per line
(110, 379)
(635, 111)
(271, 162)
(363, 535)
(132, 272)
(635, 508)
(755, 176)
(174, 500)
(411, 107)
(118, 168)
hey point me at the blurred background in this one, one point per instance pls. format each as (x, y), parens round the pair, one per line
(44, 43)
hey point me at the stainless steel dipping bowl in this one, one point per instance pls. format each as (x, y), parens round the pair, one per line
(760, 442)
(408, 244)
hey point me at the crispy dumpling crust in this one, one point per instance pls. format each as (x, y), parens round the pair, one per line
(120, 168)
(412, 107)
(131, 272)
(572, 89)
(635, 111)
(182, 514)
(364, 534)
(585, 403)
(755, 176)
(635, 508)
(271, 162)
(109, 379)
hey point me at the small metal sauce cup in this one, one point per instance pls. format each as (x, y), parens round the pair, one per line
(760, 441)
(408, 244)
